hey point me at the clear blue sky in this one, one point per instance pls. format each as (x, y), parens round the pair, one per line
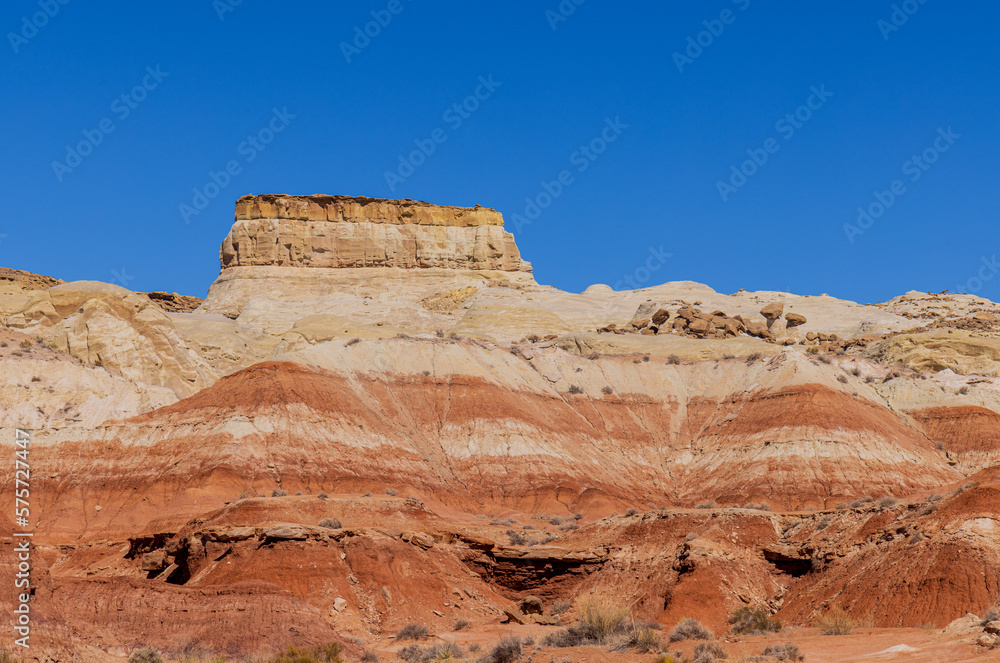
(116, 215)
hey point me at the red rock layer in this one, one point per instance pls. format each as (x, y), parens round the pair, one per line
(962, 429)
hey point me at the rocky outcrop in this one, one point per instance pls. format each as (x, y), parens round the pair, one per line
(345, 232)
(171, 302)
(26, 280)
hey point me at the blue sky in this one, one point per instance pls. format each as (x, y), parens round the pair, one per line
(644, 110)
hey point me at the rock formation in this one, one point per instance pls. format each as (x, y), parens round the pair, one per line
(337, 243)
(392, 423)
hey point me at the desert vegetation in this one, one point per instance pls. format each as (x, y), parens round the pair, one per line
(412, 632)
(602, 623)
(753, 621)
(690, 629)
(835, 622)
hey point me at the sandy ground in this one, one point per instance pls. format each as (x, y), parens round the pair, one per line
(884, 645)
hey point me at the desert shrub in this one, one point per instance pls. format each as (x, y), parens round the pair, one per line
(516, 538)
(707, 505)
(146, 654)
(892, 375)
(412, 632)
(594, 355)
(673, 360)
(36, 379)
(708, 652)
(323, 496)
(753, 621)
(444, 651)
(842, 379)
(641, 639)
(561, 607)
(556, 520)
(353, 341)
(391, 492)
(813, 350)
(439, 333)
(861, 501)
(330, 523)
(566, 527)
(759, 507)
(607, 391)
(26, 344)
(411, 654)
(824, 522)
(475, 647)
(598, 623)
(835, 622)
(578, 516)
(322, 654)
(369, 657)
(826, 359)
(575, 389)
(460, 625)
(886, 502)
(277, 492)
(631, 512)
(243, 495)
(992, 613)
(508, 650)
(600, 620)
(963, 391)
(690, 629)
(856, 372)
(756, 356)
(785, 652)
(567, 637)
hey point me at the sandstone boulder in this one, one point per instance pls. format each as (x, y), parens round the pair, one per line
(516, 617)
(758, 329)
(795, 319)
(699, 326)
(154, 561)
(419, 539)
(531, 605)
(772, 312)
(286, 532)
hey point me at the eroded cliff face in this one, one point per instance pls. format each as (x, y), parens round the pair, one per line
(345, 232)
